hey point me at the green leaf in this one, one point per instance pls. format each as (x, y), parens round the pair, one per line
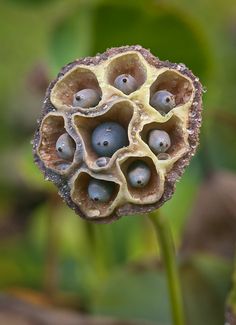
(142, 294)
(134, 295)
(166, 31)
(205, 282)
(29, 172)
(31, 3)
(231, 302)
(177, 209)
(72, 38)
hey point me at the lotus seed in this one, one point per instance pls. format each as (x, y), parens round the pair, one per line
(99, 190)
(102, 161)
(65, 147)
(108, 137)
(163, 156)
(63, 166)
(126, 83)
(86, 98)
(138, 174)
(163, 101)
(159, 141)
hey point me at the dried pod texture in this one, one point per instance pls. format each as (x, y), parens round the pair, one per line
(130, 111)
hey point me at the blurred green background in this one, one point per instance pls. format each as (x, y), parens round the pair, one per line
(50, 255)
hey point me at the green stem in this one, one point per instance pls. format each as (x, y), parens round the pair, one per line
(166, 243)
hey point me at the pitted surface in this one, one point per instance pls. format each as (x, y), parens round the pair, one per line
(135, 114)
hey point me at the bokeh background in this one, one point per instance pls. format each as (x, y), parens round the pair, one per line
(55, 267)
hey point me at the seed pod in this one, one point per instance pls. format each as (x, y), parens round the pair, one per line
(121, 175)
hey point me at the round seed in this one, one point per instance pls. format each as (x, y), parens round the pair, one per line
(138, 174)
(163, 101)
(126, 83)
(86, 98)
(108, 137)
(65, 147)
(100, 190)
(159, 141)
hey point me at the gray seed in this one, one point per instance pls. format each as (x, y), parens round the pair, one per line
(163, 156)
(86, 98)
(126, 83)
(102, 161)
(108, 137)
(138, 174)
(65, 147)
(159, 141)
(163, 101)
(100, 190)
(63, 166)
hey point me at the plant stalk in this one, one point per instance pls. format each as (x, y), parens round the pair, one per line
(167, 249)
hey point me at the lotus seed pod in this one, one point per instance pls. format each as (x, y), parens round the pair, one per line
(126, 83)
(86, 98)
(139, 174)
(65, 147)
(159, 141)
(116, 155)
(109, 137)
(99, 190)
(163, 101)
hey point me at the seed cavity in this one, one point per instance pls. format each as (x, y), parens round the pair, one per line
(138, 174)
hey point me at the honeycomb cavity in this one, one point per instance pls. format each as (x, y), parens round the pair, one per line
(149, 193)
(177, 132)
(137, 117)
(77, 79)
(129, 63)
(176, 84)
(53, 126)
(120, 112)
(79, 195)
